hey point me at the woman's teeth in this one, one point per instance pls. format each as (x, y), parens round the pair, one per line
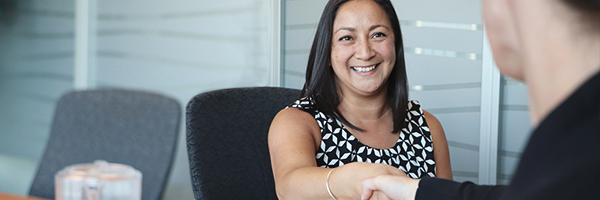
(364, 69)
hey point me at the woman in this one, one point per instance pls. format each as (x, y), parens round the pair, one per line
(554, 47)
(354, 115)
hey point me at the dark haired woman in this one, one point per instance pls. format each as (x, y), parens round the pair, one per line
(354, 120)
(554, 47)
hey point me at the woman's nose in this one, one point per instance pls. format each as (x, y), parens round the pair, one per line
(364, 51)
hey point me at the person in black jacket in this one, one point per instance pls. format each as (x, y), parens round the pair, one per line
(554, 47)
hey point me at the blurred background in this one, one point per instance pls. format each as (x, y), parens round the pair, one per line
(181, 48)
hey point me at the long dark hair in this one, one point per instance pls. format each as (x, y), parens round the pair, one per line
(589, 11)
(320, 82)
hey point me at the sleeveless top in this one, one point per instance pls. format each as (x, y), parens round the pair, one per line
(412, 153)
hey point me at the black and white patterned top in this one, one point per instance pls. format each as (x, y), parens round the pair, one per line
(413, 152)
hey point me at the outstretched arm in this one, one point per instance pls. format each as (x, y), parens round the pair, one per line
(404, 188)
(293, 139)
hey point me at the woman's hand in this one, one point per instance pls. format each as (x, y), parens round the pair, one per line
(355, 174)
(393, 187)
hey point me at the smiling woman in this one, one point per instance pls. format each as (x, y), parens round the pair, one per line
(353, 119)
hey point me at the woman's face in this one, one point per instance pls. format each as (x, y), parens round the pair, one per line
(362, 47)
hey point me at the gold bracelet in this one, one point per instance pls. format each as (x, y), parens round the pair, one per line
(327, 184)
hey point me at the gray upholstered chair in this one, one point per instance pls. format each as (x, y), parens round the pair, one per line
(120, 126)
(227, 141)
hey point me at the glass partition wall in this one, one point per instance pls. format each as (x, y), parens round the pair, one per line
(178, 48)
(514, 129)
(36, 68)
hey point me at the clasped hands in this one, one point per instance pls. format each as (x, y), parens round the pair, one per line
(375, 182)
(389, 187)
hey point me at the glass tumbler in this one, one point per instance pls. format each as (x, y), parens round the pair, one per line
(98, 181)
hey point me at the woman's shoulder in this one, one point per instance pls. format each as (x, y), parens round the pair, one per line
(292, 114)
(298, 111)
(294, 120)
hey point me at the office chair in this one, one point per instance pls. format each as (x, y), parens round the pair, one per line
(227, 141)
(120, 126)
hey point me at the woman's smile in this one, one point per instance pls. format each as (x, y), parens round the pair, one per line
(364, 70)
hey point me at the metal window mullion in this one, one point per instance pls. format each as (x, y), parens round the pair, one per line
(85, 44)
(275, 40)
(490, 112)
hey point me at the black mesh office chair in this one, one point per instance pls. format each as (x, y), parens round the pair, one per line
(227, 141)
(120, 126)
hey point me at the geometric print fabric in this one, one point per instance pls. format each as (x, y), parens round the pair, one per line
(413, 152)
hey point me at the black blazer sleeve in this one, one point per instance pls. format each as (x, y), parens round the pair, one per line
(439, 189)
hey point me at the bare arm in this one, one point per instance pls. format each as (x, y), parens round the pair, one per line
(440, 147)
(293, 139)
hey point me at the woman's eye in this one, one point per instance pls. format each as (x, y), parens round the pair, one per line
(380, 34)
(345, 38)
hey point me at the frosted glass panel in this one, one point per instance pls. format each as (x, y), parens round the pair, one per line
(36, 68)
(301, 19)
(195, 45)
(515, 127)
(443, 43)
(179, 48)
(182, 48)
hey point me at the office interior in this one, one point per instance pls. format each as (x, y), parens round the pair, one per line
(181, 48)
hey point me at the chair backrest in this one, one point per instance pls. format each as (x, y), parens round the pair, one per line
(227, 141)
(120, 126)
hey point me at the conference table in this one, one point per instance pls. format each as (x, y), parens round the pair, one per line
(7, 196)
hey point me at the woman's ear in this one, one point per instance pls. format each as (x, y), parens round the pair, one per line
(502, 32)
